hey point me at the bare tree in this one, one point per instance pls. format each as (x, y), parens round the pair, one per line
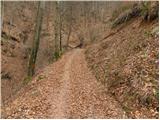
(32, 61)
(56, 30)
(60, 12)
(2, 13)
(70, 25)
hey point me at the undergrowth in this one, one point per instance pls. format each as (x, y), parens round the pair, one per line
(27, 80)
(118, 11)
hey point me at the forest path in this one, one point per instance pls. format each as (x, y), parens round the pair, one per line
(65, 89)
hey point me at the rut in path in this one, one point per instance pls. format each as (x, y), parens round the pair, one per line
(65, 89)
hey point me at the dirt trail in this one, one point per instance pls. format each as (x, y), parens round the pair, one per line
(62, 92)
(66, 89)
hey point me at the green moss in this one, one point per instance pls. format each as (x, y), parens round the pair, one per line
(147, 33)
(157, 94)
(40, 77)
(126, 109)
(27, 79)
(145, 8)
(56, 55)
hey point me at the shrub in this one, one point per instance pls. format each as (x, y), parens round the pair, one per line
(149, 10)
(145, 10)
(127, 15)
(118, 11)
(56, 55)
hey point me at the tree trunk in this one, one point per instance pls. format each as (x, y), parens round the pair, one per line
(60, 27)
(32, 61)
(56, 28)
(70, 26)
(2, 13)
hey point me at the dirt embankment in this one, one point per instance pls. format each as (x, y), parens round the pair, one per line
(126, 63)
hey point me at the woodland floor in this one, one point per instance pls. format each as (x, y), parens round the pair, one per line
(64, 89)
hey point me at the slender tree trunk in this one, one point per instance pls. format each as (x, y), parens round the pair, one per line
(70, 26)
(48, 17)
(85, 15)
(32, 61)
(2, 14)
(70, 30)
(60, 28)
(95, 12)
(56, 29)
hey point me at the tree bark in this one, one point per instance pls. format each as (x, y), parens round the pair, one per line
(70, 26)
(60, 27)
(32, 61)
(2, 14)
(56, 29)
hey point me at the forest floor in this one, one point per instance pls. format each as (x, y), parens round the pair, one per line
(64, 89)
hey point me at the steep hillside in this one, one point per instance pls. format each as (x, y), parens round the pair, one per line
(17, 38)
(16, 30)
(126, 63)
